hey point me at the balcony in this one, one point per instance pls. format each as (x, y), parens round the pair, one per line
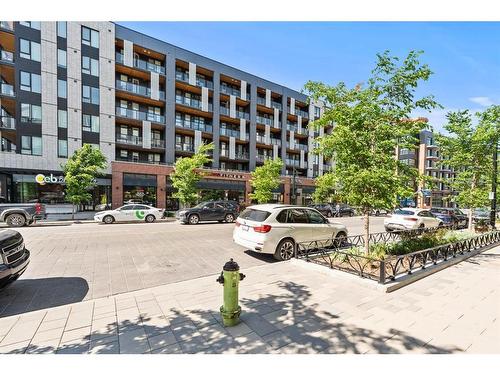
(262, 101)
(327, 167)
(185, 147)
(190, 102)
(6, 89)
(299, 112)
(194, 125)
(233, 133)
(200, 81)
(6, 56)
(157, 143)
(7, 25)
(137, 160)
(239, 114)
(139, 115)
(136, 89)
(129, 139)
(7, 122)
(262, 158)
(295, 128)
(267, 121)
(142, 64)
(292, 162)
(298, 146)
(272, 141)
(242, 156)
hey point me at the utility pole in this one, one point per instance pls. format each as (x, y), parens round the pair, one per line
(493, 197)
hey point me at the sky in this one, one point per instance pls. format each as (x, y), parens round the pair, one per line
(464, 56)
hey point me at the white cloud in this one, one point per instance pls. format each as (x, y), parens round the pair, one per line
(482, 100)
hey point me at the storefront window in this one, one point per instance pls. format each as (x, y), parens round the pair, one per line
(139, 188)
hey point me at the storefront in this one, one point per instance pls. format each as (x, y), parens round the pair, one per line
(49, 189)
(139, 188)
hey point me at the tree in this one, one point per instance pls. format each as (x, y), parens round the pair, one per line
(325, 189)
(80, 173)
(468, 149)
(370, 120)
(186, 174)
(265, 179)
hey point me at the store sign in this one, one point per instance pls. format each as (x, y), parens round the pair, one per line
(51, 179)
(228, 175)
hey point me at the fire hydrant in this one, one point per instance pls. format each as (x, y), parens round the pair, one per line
(230, 277)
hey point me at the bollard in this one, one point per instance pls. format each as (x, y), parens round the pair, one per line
(230, 278)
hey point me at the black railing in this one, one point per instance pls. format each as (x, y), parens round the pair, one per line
(335, 253)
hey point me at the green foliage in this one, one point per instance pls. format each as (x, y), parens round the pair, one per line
(468, 149)
(370, 120)
(186, 174)
(326, 189)
(265, 179)
(81, 171)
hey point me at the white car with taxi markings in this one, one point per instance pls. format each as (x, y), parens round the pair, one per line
(130, 213)
(277, 229)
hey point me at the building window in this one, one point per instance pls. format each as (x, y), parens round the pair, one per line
(62, 148)
(62, 118)
(31, 145)
(62, 91)
(29, 50)
(90, 66)
(317, 111)
(90, 95)
(154, 158)
(90, 123)
(31, 24)
(124, 154)
(31, 113)
(90, 37)
(61, 58)
(30, 82)
(61, 29)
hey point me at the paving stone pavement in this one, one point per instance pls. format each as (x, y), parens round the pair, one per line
(287, 308)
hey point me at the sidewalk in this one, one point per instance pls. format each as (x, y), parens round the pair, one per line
(287, 308)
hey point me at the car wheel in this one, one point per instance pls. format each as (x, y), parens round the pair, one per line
(285, 249)
(340, 239)
(329, 214)
(193, 219)
(421, 226)
(15, 220)
(229, 218)
(351, 214)
(377, 213)
(108, 219)
(440, 225)
(150, 218)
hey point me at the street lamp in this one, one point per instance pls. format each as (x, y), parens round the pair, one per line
(493, 195)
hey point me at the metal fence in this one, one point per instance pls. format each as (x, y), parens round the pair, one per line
(336, 254)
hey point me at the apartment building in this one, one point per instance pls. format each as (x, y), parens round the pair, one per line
(144, 103)
(426, 157)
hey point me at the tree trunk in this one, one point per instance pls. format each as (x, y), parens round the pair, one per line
(73, 212)
(367, 231)
(470, 227)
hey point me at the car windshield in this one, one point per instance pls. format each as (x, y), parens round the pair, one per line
(404, 212)
(254, 215)
(200, 205)
(441, 211)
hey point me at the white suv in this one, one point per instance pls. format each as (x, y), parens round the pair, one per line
(276, 229)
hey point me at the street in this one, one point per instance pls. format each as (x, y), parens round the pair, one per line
(72, 263)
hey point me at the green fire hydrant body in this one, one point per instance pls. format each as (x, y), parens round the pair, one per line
(230, 277)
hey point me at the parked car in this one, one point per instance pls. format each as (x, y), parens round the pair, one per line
(326, 209)
(451, 216)
(14, 257)
(20, 214)
(276, 229)
(221, 211)
(130, 212)
(344, 210)
(380, 211)
(480, 215)
(411, 218)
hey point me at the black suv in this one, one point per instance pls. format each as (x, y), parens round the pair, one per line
(14, 257)
(219, 211)
(451, 216)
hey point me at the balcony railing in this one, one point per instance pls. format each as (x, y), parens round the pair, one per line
(299, 112)
(8, 25)
(7, 122)
(233, 91)
(7, 89)
(158, 143)
(242, 156)
(129, 139)
(233, 133)
(272, 141)
(186, 147)
(142, 64)
(190, 102)
(262, 158)
(194, 125)
(292, 162)
(6, 56)
(295, 128)
(136, 89)
(266, 121)
(139, 115)
(200, 81)
(298, 146)
(262, 101)
(327, 167)
(239, 114)
(137, 160)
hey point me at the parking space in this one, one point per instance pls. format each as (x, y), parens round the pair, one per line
(71, 263)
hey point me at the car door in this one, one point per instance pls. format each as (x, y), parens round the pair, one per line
(300, 227)
(219, 211)
(429, 219)
(320, 227)
(140, 212)
(125, 213)
(207, 212)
